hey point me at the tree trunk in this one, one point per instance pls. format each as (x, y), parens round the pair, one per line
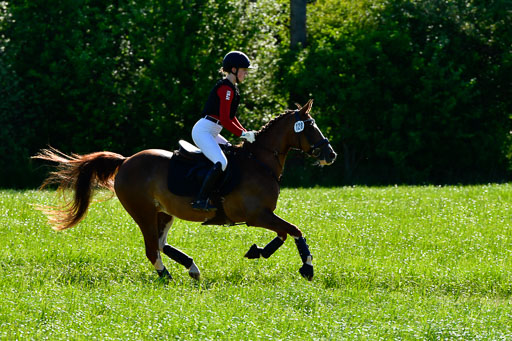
(297, 23)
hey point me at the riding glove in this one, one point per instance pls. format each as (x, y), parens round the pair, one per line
(249, 136)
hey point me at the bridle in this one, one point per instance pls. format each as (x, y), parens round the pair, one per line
(299, 127)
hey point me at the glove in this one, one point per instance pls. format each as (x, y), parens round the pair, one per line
(249, 136)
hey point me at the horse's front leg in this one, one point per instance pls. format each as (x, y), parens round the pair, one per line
(269, 220)
(307, 258)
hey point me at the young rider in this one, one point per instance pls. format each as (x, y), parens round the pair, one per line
(220, 112)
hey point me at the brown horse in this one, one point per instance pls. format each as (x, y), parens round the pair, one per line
(140, 183)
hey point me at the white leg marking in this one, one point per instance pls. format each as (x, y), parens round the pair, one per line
(159, 266)
(163, 239)
(309, 261)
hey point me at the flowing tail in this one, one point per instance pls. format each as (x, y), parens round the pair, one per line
(80, 173)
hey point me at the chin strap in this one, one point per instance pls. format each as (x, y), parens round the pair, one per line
(236, 74)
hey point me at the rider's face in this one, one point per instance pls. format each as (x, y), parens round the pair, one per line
(242, 72)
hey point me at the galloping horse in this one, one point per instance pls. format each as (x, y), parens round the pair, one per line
(140, 183)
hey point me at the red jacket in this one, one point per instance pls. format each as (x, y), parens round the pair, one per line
(222, 104)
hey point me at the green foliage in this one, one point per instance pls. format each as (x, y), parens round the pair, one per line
(14, 128)
(407, 91)
(412, 91)
(124, 77)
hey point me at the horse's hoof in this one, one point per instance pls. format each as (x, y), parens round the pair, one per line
(254, 252)
(307, 271)
(194, 272)
(195, 275)
(164, 274)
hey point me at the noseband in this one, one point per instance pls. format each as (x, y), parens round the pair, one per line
(300, 125)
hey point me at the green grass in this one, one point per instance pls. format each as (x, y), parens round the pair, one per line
(390, 263)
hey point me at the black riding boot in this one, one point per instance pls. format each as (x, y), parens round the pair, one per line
(202, 202)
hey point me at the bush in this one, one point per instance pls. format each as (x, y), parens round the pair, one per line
(407, 91)
(124, 77)
(412, 91)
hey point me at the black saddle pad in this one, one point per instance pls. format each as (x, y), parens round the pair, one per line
(186, 174)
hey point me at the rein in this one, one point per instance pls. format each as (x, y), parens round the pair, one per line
(298, 127)
(314, 148)
(276, 154)
(264, 165)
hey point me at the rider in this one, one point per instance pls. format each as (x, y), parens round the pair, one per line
(220, 112)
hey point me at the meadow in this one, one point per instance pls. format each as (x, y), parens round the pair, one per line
(412, 263)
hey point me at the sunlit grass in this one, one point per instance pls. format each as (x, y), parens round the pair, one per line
(391, 262)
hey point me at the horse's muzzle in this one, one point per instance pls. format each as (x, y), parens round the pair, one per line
(327, 156)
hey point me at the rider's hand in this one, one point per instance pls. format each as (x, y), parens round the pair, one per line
(249, 136)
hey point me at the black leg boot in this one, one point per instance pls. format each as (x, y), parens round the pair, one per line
(201, 202)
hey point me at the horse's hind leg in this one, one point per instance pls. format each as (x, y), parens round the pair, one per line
(145, 214)
(164, 224)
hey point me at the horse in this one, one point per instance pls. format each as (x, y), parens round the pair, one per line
(140, 183)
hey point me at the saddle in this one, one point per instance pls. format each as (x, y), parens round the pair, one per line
(188, 166)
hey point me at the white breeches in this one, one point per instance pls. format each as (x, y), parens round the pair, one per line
(207, 137)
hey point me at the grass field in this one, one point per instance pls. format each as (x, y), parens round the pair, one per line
(410, 263)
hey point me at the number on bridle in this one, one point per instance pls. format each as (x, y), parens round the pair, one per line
(300, 126)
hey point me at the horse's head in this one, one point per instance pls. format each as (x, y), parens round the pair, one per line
(309, 137)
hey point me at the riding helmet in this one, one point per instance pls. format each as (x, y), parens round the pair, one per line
(236, 59)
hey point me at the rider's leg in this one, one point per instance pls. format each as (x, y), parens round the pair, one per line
(205, 135)
(201, 202)
(221, 139)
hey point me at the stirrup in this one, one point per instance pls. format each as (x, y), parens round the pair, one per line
(203, 205)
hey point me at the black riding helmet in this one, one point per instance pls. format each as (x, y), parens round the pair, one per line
(235, 59)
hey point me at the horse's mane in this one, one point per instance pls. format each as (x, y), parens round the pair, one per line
(266, 127)
(273, 121)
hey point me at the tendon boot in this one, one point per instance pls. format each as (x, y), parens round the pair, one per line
(202, 202)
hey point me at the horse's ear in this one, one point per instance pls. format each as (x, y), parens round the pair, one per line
(307, 107)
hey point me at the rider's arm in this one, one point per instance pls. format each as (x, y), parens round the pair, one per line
(237, 123)
(226, 95)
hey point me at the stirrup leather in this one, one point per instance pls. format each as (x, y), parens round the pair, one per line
(203, 205)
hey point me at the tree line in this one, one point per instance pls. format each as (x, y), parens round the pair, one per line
(408, 91)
